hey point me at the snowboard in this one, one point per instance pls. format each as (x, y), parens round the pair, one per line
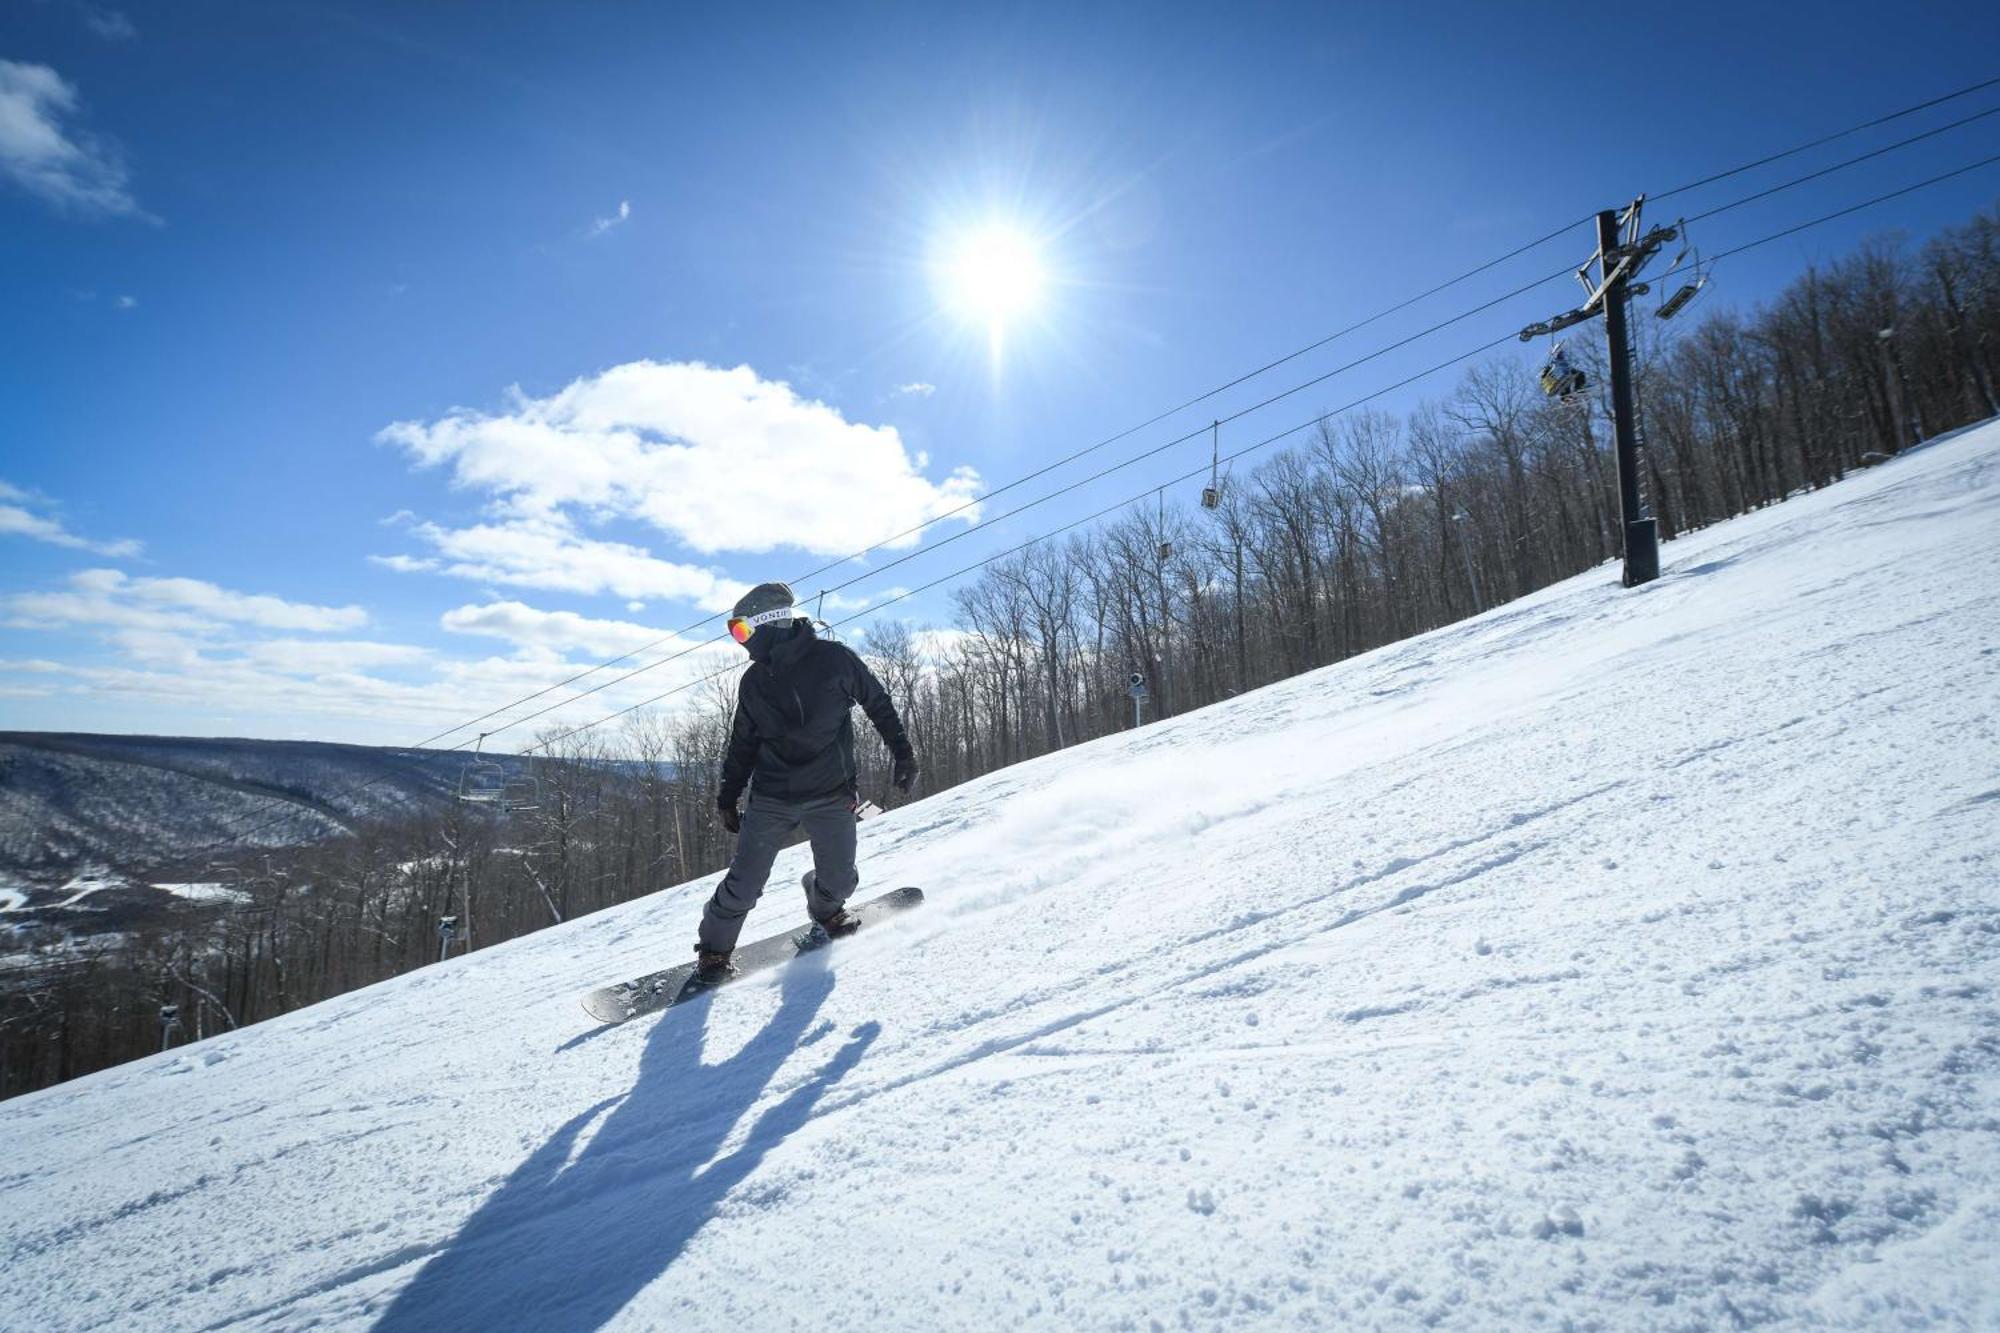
(662, 990)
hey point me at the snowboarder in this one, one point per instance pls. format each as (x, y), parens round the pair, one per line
(792, 743)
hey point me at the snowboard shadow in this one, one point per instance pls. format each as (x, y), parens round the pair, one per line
(571, 1236)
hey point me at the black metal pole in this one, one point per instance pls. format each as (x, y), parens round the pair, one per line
(1642, 541)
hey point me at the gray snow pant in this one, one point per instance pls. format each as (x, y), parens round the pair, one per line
(829, 824)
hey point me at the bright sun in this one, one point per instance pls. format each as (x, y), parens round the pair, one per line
(993, 275)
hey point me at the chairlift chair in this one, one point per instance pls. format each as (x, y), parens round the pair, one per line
(1678, 301)
(482, 782)
(1560, 379)
(521, 794)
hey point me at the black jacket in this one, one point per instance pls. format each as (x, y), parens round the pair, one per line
(794, 733)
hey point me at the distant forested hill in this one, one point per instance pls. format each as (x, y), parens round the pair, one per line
(69, 800)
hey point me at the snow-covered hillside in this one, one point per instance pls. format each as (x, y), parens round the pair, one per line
(1618, 959)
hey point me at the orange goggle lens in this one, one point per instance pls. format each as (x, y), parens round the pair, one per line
(742, 627)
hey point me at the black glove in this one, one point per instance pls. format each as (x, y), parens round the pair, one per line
(730, 819)
(906, 772)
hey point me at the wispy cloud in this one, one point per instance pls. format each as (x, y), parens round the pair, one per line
(110, 24)
(841, 602)
(127, 303)
(914, 389)
(110, 598)
(19, 519)
(43, 152)
(546, 552)
(174, 660)
(599, 226)
(564, 631)
(324, 657)
(406, 564)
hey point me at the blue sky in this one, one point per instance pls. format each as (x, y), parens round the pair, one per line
(364, 366)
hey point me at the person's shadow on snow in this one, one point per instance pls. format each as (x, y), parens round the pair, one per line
(571, 1237)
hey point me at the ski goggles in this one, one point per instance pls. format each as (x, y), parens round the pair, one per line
(742, 627)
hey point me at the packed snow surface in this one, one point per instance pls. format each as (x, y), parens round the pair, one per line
(89, 882)
(205, 891)
(1619, 959)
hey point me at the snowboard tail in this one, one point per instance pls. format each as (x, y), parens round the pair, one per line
(664, 989)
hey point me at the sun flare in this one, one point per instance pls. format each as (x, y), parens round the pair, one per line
(994, 275)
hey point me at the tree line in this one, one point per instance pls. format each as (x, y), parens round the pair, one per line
(1376, 528)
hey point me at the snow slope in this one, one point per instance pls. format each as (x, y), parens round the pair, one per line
(1618, 959)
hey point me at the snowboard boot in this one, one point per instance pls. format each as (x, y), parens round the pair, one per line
(837, 926)
(840, 925)
(712, 967)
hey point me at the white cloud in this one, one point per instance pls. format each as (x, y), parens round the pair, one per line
(18, 519)
(842, 602)
(167, 642)
(257, 609)
(936, 644)
(547, 553)
(721, 460)
(406, 564)
(190, 657)
(127, 303)
(323, 689)
(326, 657)
(107, 597)
(915, 389)
(65, 166)
(527, 626)
(599, 226)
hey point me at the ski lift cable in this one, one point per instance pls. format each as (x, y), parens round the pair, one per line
(1855, 208)
(1711, 260)
(1238, 415)
(1825, 139)
(1841, 166)
(1203, 397)
(287, 811)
